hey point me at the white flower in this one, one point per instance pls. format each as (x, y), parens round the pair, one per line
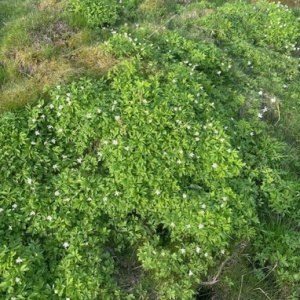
(200, 226)
(53, 141)
(105, 199)
(67, 199)
(10, 227)
(89, 199)
(219, 72)
(249, 62)
(33, 143)
(203, 206)
(285, 86)
(99, 111)
(157, 192)
(68, 299)
(273, 100)
(60, 130)
(60, 107)
(33, 120)
(14, 206)
(18, 280)
(182, 251)
(206, 254)
(55, 291)
(1, 209)
(260, 93)
(117, 118)
(29, 181)
(51, 106)
(252, 133)
(179, 161)
(198, 249)
(224, 198)
(197, 139)
(184, 196)
(222, 251)
(37, 132)
(265, 109)
(192, 154)
(66, 245)
(117, 193)
(54, 167)
(19, 260)
(229, 150)
(260, 115)
(64, 156)
(56, 193)
(114, 142)
(79, 160)
(49, 218)
(89, 115)
(188, 226)
(214, 165)
(190, 273)
(105, 142)
(43, 116)
(127, 148)
(32, 213)
(172, 224)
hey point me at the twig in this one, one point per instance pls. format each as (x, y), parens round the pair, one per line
(215, 278)
(263, 293)
(240, 292)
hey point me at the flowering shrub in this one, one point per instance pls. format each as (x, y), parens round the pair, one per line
(165, 158)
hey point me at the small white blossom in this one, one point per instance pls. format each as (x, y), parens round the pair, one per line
(32, 213)
(117, 118)
(182, 251)
(219, 72)
(99, 111)
(127, 148)
(105, 199)
(49, 218)
(33, 120)
(56, 193)
(198, 249)
(60, 130)
(54, 167)
(29, 181)
(265, 109)
(58, 114)
(66, 245)
(19, 260)
(89, 116)
(184, 196)
(252, 133)
(1, 209)
(67, 199)
(79, 160)
(55, 291)
(197, 139)
(224, 198)
(260, 115)
(222, 140)
(190, 273)
(53, 141)
(105, 142)
(249, 62)
(157, 192)
(172, 224)
(14, 206)
(229, 150)
(18, 280)
(89, 199)
(60, 107)
(200, 226)
(192, 154)
(115, 142)
(179, 161)
(260, 93)
(117, 193)
(206, 254)
(188, 226)
(51, 106)
(222, 251)
(33, 143)
(37, 132)
(214, 165)
(273, 100)
(10, 227)
(64, 156)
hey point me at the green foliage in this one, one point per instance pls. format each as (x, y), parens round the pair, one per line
(95, 13)
(142, 183)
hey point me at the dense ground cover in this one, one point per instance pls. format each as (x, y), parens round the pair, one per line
(154, 153)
